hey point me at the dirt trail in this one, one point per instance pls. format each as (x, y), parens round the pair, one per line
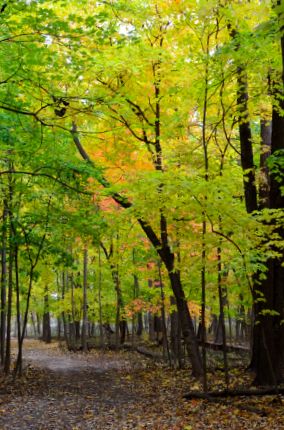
(75, 391)
(111, 391)
(52, 359)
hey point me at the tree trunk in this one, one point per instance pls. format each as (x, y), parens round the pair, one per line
(3, 282)
(139, 329)
(151, 330)
(116, 282)
(259, 354)
(120, 322)
(246, 143)
(166, 348)
(265, 358)
(58, 328)
(269, 343)
(64, 287)
(38, 324)
(265, 151)
(100, 300)
(17, 285)
(203, 301)
(186, 324)
(266, 354)
(7, 362)
(222, 317)
(77, 330)
(175, 336)
(85, 303)
(46, 330)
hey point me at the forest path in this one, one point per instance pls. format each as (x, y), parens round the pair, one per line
(112, 391)
(98, 391)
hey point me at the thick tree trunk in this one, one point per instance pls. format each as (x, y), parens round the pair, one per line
(246, 143)
(265, 151)
(265, 359)
(186, 324)
(58, 328)
(259, 356)
(139, 330)
(175, 337)
(46, 330)
(33, 324)
(151, 329)
(38, 324)
(270, 345)
(123, 329)
(64, 287)
(166, 348)
(77, 330)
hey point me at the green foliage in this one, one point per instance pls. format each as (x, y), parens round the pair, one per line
(276, 166)
(119, 73)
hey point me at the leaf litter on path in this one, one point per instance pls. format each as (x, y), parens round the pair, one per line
(118, 391)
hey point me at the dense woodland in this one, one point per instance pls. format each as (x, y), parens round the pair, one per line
(142, 179)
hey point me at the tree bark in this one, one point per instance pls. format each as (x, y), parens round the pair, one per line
(222, 316)
(64, 287)
(270, 345)
(120, 322)
(246, 143)
(46, 330)
(186, 324)
(7, 362)
(265, 151)
(3, 282)
(85, 303)
(267, 293)
(175, 336)
(17, 287)
(100, 300)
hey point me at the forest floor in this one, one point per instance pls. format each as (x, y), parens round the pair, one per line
(119, 391)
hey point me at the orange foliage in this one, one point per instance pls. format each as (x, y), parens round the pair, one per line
(119, 166)
(141, 305)
(196, 227)
(108, 204)
(195, 310)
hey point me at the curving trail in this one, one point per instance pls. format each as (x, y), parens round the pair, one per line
(113, 391)
(75, 391)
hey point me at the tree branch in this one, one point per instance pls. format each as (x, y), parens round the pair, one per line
(46, 175)
(118, 198)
